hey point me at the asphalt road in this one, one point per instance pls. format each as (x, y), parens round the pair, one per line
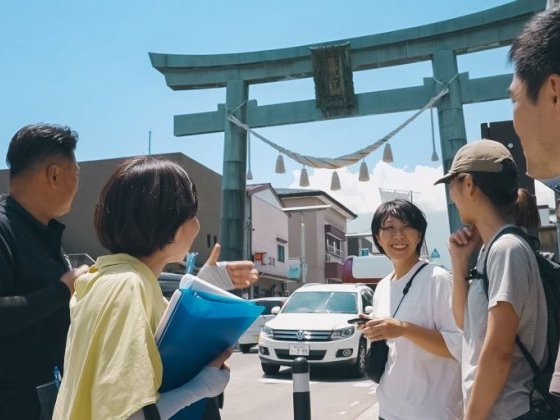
(254, 395)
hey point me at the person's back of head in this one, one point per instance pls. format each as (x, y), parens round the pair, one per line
(536, 52)
(142, 206)
(35, 144)
(501, 188)
(494, 172)
(43, 169)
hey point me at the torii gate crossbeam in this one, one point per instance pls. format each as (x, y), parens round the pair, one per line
(439, 42)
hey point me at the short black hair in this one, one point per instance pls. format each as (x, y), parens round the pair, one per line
(35, 143)
(142, 206)
(536, 52)
(406, 212)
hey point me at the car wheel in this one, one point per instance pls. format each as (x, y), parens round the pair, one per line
(358, 368)
(245, 348)
(270, 369)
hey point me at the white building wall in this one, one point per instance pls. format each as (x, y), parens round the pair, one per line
(269, 223)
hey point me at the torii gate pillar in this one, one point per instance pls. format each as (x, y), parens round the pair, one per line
(451, 119)
(234, 170)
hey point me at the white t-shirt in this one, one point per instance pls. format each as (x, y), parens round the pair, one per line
(513, 276)
(418, 384)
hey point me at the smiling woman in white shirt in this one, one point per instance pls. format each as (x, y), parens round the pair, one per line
(422, 377)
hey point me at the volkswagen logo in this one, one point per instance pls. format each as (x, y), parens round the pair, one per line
(300, 335)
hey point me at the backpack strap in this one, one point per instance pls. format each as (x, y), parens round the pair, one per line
(516, 231)
(510, 229)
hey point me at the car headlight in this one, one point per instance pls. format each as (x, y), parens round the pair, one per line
(267, 331)
(342, 333)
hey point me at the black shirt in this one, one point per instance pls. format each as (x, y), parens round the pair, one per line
(34, 311)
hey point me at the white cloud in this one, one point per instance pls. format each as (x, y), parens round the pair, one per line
(363, 197)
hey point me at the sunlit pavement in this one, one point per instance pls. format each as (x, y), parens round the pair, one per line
(253, 395)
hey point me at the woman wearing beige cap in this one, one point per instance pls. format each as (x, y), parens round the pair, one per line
(504, 298)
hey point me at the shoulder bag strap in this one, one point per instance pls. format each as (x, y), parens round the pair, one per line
(407, 287)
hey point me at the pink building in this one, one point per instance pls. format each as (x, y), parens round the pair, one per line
(267, 241)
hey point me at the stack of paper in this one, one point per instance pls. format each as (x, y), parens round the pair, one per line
(200, 322)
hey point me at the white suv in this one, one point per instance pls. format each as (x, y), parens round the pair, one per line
(313, 324)
(251, 336)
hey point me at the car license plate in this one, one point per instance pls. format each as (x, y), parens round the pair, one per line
(299, 349)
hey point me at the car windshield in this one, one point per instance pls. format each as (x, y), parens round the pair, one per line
(268, 305)
(322, 302)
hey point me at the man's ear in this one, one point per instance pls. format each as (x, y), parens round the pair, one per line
(53, 174)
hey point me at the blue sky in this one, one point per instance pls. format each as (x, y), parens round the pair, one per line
(85, 64)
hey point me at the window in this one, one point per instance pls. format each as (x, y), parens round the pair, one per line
(281, 253)
(334, 246)
(322, 302)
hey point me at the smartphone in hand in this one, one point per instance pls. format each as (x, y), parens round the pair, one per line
(358, 321)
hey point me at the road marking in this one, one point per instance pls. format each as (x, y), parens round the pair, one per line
(354, 403)
(370, 413)
(281, 381)
(363, 384)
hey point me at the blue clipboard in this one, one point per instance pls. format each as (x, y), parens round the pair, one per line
(200, 322)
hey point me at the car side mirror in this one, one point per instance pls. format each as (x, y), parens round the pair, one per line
(275, 310)
(369, 309)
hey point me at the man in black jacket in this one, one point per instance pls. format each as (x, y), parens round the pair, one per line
(36, 280)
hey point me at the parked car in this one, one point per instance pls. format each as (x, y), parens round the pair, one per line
(169, 282)
(313, 324)
(251, 337)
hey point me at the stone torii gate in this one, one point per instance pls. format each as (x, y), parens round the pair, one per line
(331, 64)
